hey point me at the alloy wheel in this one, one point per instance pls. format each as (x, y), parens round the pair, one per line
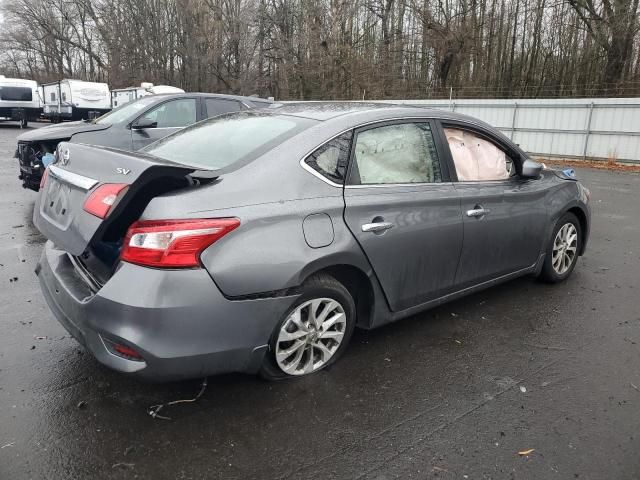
(310, 336)
(564, 248)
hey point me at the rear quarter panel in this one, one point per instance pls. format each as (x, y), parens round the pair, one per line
(271, 196)
(268, 252)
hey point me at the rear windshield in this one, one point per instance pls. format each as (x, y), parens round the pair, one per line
(228, 139)
(16, 94)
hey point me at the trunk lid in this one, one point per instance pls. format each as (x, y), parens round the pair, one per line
(78, 171)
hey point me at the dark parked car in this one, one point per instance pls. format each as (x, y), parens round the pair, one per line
(130, 127)
(256, 241)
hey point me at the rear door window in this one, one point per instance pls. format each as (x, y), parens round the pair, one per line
(395, 154)
(174, 113)
(217, 106)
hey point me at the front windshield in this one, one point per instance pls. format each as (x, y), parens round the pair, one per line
(222, 141)
(125, 112)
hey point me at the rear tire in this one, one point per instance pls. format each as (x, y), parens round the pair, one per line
(563, 249)
(314, 332)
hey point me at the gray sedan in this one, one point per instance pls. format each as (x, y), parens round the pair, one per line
(257, 241)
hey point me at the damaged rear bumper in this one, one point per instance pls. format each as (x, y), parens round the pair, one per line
(176, 319)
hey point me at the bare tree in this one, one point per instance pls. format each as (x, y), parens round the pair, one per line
(613, 26)
(324, 49)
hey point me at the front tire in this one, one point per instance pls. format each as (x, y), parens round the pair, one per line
(313, 333)
(563, 250)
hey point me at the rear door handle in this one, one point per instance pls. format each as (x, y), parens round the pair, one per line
(477, 212)
(377, 227)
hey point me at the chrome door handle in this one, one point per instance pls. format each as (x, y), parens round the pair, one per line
(477, 212)
(377, 227)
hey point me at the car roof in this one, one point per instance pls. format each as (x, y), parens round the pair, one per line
(364, 111)
(240, 98)
(351, 114)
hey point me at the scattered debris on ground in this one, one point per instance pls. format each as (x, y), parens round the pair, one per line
(524, 453)
(155, 409)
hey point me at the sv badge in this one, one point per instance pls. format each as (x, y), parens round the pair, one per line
(123, 171)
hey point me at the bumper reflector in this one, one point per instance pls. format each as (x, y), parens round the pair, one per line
(123, 351)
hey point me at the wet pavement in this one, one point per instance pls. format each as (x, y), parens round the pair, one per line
(455, 392)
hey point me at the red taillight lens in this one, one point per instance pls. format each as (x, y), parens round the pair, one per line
(103, 198)
(126, 352)
(173, 243)
(45, 175)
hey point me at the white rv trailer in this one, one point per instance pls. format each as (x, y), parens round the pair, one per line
(19, 100)
(121, 96)
(75, 100)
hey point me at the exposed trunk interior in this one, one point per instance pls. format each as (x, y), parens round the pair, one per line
(94, 241)
(100, 260)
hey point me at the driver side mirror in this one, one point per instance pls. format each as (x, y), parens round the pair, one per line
(143, 123)
(531, 169)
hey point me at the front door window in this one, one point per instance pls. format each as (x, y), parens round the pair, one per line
(173, 114)
(475, 158)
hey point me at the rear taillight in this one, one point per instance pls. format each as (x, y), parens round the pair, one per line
(103, 198)
(45, 175)
(173, 243)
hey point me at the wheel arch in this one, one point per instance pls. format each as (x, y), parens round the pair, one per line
(359, 285)
(584, 225)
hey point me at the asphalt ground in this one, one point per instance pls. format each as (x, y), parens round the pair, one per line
(453, 393)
